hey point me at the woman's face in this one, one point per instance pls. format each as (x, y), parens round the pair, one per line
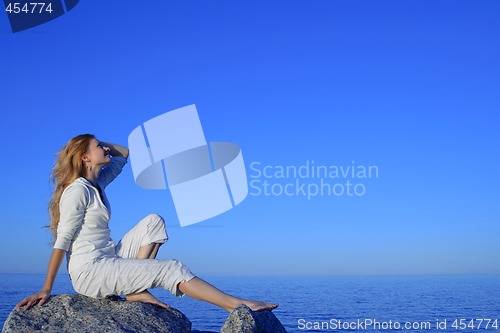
(97, 154)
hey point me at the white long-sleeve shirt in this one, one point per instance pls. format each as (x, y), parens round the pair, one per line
(83, 225)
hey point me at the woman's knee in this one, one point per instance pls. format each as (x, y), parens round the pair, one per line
(155, 218)
(156, 225)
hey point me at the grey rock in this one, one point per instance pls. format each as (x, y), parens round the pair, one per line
(244, 320)
(78, 314)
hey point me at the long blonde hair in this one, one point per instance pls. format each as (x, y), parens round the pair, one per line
(68, 167)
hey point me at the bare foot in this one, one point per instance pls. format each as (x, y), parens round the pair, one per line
(146, 297)
(260, 306)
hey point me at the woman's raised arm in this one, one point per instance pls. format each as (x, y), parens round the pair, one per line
(116, 150)
(43, 295)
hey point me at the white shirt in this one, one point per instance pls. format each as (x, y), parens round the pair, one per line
(83, 225)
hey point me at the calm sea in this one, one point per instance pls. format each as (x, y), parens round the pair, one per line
(331, 304)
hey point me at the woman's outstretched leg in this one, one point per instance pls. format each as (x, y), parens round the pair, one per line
(204, 291)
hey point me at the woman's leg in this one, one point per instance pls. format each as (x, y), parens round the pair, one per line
(202, 290)
(138, 242)
(197, 289)
(147, 252)
(151, 232)
(150, 228)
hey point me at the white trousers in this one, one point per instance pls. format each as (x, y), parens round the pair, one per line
(124, 274)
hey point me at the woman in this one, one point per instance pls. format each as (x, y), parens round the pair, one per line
(99, 268)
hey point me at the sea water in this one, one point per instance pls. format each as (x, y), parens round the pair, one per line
(330, 303)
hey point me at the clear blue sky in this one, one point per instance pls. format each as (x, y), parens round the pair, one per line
(410, 87)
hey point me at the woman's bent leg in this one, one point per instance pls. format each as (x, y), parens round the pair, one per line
(147, 252)
(136, 243)
(143, 242)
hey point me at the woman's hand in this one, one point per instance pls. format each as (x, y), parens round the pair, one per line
(41, 297)
(116, 150)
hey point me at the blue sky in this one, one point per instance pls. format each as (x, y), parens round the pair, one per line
(409, 87)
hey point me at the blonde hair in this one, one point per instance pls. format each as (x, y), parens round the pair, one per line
(68, 167)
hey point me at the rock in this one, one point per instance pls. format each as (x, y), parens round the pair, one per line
(77, 313)
(73, 313)
(244, 320)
